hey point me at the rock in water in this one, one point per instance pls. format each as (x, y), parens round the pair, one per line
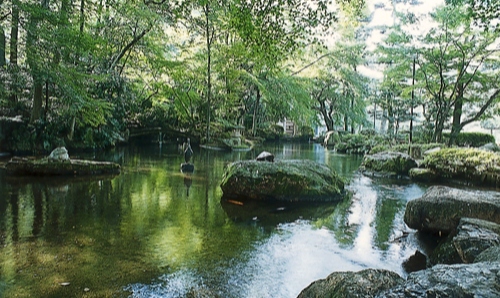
(59, 154)
(284, 180)
(265, 156)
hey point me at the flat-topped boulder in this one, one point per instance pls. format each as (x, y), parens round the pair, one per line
(388, 164)
(283, 180)
(59, 167)
(440, 208)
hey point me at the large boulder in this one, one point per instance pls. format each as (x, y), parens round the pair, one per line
(458, 281)
(440, 209)
(388, 164)
(491, 254)
(472, 237)
(285, 180)
(365, 283)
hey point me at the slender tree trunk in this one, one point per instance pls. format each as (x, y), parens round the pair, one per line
(32, 36)
(14, 33)
(352, 121)
(3, 62)
(209, 68)
(13, 46)
(457, 115)
(82, 15)
(255, 110)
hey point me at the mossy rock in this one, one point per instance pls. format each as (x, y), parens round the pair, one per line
(390, 163)
(423, 175)
(284, 180)
(474, 166)
(70, 167)
(365, 283)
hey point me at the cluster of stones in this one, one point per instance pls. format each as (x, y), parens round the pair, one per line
(466, 263)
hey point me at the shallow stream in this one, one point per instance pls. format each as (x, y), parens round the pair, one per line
(155, 232)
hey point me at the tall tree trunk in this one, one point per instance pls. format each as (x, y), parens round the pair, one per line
(255, 109)
(2, 47)
(352, 121)
(457, 115)
(14, 33)
(13, 46)
(209, 68)
(32, 36)
(82, 15)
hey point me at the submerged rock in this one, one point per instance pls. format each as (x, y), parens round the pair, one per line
(457, 281)
(365, 283)
(286, 180)
(388, 163)
(440, 209)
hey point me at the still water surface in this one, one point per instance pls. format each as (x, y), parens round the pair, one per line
(155, 232)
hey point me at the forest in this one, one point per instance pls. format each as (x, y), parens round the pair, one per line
(87, 73)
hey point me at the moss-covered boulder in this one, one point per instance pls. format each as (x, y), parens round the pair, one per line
(472, 237)
(365, 283)
(440, 209)
(473, 166)
(388, 164)
(285, 180)
(423, 175)
(59, 167)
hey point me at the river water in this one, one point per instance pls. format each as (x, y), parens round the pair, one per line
(153, 231)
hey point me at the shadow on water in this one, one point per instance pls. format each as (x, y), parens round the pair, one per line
(270, 214)
(154, 231)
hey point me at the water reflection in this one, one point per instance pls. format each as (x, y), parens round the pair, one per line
(155, 231)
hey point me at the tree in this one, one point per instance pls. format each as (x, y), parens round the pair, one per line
(459, 70)
(482, 12)
(340, 90)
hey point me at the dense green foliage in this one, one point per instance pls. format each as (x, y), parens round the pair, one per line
(472, 139)
(476, 165)
(91, 74)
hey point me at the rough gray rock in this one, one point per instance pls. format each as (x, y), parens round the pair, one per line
(472, 237)
(365, 283)
(457, 281)
(389, 163)
(283, 180)
(440, 209)
(491, 254)
(59, 154)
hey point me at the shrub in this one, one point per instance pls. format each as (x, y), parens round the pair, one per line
(472, 139)
(464, 163)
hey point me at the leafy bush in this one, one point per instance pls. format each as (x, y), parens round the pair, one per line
(416, 149)
(472, 139)
(306, 131)
(462, 163)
